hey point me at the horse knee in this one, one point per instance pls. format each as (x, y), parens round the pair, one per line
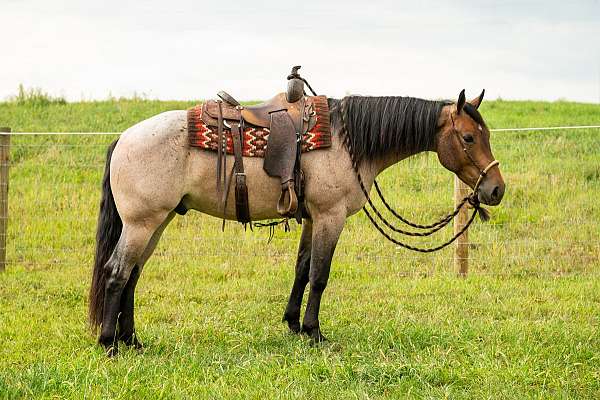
(115, 284)
(319, 284)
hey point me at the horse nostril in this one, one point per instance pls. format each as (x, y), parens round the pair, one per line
(496, 193)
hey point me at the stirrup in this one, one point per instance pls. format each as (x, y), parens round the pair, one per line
(288, 201)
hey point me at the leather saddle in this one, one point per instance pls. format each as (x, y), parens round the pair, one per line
(256, 115)
(288, 116)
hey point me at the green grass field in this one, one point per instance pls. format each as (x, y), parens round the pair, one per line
(523, 324)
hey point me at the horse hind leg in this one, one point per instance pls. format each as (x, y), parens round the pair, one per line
(126, 321)
(132, 243)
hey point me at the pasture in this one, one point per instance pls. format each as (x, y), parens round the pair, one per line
(523, 324)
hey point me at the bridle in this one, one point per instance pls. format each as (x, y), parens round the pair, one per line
(472, 200)
(482, 172)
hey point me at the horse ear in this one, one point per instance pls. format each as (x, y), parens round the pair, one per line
(476, 102)
(461, 101)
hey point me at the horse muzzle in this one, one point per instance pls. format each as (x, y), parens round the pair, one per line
(491, 192)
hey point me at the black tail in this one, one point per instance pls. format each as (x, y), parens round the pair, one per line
(107, 236)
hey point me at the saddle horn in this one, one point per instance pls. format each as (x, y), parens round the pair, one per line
(295, 89)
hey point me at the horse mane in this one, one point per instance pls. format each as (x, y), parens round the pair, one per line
(375, 126)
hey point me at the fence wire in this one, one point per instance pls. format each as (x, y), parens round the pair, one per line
(547, 223)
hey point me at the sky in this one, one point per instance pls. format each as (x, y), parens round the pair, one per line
(186, 49)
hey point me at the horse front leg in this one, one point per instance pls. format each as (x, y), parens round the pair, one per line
(292, 311)
(326, 229)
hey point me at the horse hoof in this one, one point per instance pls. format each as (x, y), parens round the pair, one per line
(132, 341)
(110, 346)
(136, 344)
(314, 334)
(111, 350)
(293, 324)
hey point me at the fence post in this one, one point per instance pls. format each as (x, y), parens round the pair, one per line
(4, 161)
(461, 250)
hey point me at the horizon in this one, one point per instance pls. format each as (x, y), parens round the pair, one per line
(141, 97)
(29, 95)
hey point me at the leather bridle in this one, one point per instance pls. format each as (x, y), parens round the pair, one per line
(482, 172)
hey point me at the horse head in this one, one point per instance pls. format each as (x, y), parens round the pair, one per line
(463, 147)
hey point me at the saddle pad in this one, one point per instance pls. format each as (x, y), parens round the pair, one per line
(256, 138)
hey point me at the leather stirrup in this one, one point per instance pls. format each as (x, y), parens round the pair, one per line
(288, 202)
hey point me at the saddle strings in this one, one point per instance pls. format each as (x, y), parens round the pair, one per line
(272, 225)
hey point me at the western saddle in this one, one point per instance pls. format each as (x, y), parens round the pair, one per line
(287, 116)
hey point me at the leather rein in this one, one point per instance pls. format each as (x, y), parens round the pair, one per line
(472, 199)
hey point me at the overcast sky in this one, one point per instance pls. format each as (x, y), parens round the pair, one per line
(187, 49)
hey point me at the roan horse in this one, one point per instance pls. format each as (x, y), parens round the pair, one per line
(151, 170)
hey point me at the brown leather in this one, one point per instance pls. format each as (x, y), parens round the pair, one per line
(287, 205)
(242, 207)
(280, 159)
(221, 159)
(257, 115)
(287, 122)
(227, 98)
(229, 112)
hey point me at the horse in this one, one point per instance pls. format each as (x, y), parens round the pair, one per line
(151, 171)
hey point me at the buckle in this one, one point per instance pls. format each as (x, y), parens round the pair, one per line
(240, 177)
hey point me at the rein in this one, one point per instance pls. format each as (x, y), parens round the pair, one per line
(471, 199)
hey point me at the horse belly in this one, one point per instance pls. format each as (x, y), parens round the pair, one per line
(202, 194)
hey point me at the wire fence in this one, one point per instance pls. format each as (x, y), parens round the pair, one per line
(547, 223)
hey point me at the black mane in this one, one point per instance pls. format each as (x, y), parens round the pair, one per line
(376, 126)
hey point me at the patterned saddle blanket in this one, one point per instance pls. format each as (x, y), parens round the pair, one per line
(256, 138)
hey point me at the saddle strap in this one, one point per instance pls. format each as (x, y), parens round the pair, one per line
(242, 207)
(221, 160)
(298, 175)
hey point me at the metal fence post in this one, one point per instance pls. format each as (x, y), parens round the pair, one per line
(461, 250)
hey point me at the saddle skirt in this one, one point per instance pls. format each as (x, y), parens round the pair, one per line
(203, 132)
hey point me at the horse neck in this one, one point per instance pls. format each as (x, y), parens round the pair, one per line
(373, 168)
(377, 166)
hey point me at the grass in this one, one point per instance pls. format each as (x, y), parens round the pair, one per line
(524, 324)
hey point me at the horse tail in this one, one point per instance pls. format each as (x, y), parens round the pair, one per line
(107, 235)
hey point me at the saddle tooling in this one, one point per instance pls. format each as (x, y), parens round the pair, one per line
(279, 130)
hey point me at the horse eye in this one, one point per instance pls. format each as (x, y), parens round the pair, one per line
(468, 138)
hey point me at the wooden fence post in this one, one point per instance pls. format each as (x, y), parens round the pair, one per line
(4, 163)
(461, 250)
